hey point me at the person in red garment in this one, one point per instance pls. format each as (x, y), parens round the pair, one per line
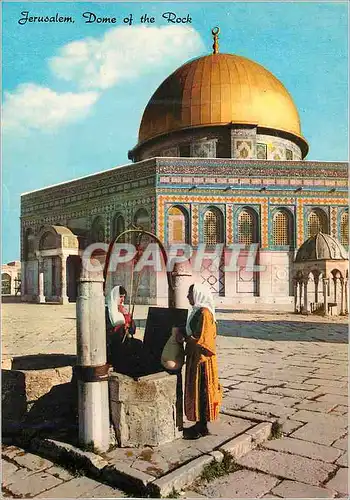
(118, 320)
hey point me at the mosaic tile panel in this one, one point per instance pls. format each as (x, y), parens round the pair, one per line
(334, 222)
(229, 225)
(195, 225)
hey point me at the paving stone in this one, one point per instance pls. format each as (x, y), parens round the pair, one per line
(60, 473)
(268, 382)
(33, 484)
(300, 387)
(285, 391)
(7, 469)
(32, 462)
(343, 460)
(320, 433)
(249, 386)
(104, 491)
(152, 463)
(260, 433)
(77, 487)
(294, 489)
(238, 446)
(340, 410)
(325, 383)
(325, 375)
(270, 410)
(261, 397)
(334, 398)
(340, 482)
(303, 448)
(328, 389)
(17, 476)
(322, 406)
(240, 484)
(320, 418)
(182, 476)
(191, 494)
(342, 443)
(290, 426)
(11, 451)
(233, 403)
(288, 466)
(280, 377)
(254, 417)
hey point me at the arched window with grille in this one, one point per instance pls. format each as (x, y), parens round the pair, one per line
(213, 226)
(247, 227)
(344, 228)
(97, 230)
(142, 219)
(282, 231)
(317, 222)
(118, 225)
(177, 225)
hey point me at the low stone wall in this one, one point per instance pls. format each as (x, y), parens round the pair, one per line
(30, 395)
(146, 411)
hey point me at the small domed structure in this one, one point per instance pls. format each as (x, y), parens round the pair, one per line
(321, 247)
(321, 259)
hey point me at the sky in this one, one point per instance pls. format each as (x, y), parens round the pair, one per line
(74, 93)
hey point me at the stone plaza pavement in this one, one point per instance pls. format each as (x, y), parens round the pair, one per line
(272, 364)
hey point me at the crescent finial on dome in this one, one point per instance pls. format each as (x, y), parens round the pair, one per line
(215, 32)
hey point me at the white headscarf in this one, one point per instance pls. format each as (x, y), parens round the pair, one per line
(112, 301)
(202, 297)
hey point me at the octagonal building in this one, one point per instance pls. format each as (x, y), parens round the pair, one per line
(220, 159)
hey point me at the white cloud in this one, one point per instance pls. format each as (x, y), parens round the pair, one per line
(31, 106)
(124, 53)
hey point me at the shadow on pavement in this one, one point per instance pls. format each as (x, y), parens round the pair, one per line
(284, 330)
(42, 361)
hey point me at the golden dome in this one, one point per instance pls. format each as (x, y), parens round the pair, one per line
(220, 89)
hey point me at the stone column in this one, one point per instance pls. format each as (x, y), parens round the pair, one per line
(346, 296)
(316, 281)
(91, 369)
(300, 297)
(325, 295)
(296, 286)
(64, 297)
(306, 309)
(335, 279)
(342, 293)
(41, 296)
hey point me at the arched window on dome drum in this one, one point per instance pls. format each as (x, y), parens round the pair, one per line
(247, 227)
(317, 222)
(344, 229)
(177, 225)
(281, 228)
(213, 227)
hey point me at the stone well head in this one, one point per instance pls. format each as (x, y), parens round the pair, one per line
(146, 410)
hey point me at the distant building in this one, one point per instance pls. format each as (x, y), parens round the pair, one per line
(220, 159)
(11, 278)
